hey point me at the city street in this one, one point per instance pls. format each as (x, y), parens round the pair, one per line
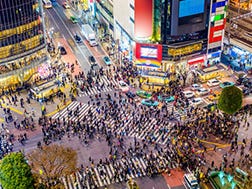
(122, 126)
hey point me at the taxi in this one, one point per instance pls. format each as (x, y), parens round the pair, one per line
(215, 96)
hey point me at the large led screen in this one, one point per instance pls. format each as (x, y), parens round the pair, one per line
(148, 51)
(191, 7)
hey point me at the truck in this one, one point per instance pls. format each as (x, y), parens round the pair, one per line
(89, 34)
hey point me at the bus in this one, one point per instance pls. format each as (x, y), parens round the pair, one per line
(190, 181)
(45, 90)
(47, 4)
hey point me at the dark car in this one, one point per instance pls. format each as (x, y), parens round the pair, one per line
(246, 91)
(129, 94)
(77, 38)
(242, 80)
(95, 67)
(210, 107)
(92, 59)
(248, 84)
(62, 50)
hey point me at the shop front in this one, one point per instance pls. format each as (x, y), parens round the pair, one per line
(18, 72)
(153, 77)
(238, 59)
(174, 66)
(125, 42)
(196, 63)
(211, 73)
(213, 58)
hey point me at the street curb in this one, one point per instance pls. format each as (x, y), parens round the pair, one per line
(61, 108)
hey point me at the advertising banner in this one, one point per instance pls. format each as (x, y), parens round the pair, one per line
(143, 18)
(149, 51)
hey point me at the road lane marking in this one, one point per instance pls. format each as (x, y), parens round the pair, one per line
(70, 33)
(53, 19)
(13, 109)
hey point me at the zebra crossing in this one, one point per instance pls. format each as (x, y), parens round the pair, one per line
(107, 173)
(149, 128)
(104, 85)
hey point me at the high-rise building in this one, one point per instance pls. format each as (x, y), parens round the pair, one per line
(170, 34)
(22, 40)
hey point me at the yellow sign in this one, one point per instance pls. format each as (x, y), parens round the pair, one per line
(184, 50)
(84, 5)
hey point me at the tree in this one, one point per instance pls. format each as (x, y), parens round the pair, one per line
(230, 100)
(49, 163)
(15, 172)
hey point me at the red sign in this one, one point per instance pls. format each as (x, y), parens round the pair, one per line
(143, 18)
(148, 51)
(196, 60)
(213, 39)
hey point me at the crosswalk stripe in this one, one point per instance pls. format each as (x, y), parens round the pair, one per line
(97, 176)
(83, 109)
(94, 89)
(149, 127)
(137, 165)
(65, 182)
(72, 107)
(62, 112)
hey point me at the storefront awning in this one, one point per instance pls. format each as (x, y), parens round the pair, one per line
(148, 63)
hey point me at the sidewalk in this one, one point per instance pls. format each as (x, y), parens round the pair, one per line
(175, 179)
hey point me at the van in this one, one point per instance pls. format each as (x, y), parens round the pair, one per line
(190, 181)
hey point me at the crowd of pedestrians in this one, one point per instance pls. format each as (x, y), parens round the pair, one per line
(6, 141)
(154, 150)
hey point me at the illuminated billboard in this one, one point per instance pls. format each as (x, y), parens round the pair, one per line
(186, 50)
(191, 7)
(149, 51)
(143, 18)
(188, 16)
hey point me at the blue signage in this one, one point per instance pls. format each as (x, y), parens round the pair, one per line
(191, 7)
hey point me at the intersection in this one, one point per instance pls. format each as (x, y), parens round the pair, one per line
(118, 137)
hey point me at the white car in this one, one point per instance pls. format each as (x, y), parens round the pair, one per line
(202, 91)
(188, 94)
(213, 82)
(195, 86)
(65, 5)
(196, 102)
(123, 86)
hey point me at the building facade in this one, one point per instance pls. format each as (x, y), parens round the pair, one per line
(22, 40)
(170, 34)
(242, 4)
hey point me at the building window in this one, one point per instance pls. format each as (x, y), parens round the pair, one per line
(132, 7)
(132, 20)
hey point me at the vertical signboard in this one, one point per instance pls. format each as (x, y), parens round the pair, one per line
(218, 21)
(143, 18)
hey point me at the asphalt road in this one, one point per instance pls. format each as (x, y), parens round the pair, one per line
(59, 20)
